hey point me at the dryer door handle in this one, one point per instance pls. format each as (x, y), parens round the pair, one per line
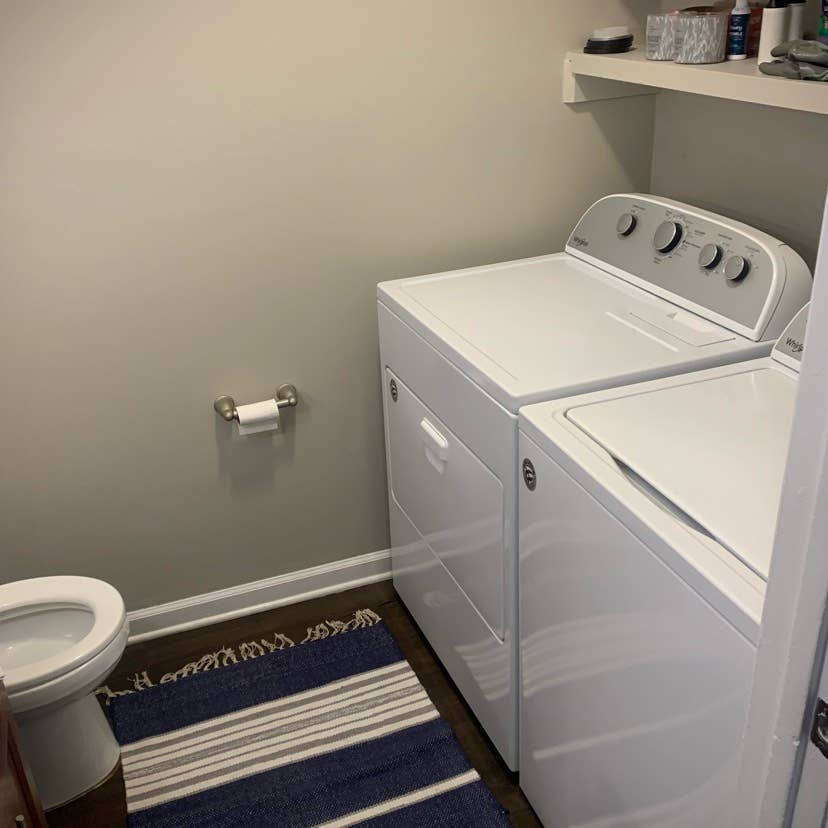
(436, 444)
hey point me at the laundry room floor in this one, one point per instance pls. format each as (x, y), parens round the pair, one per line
(105, 807)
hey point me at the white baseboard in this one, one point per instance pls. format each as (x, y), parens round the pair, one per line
(246, 599)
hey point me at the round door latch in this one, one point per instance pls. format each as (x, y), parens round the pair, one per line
(529, 476)
(819, 729)
(394, 392)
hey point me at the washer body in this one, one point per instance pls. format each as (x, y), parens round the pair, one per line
(462, 351)
(645, 547)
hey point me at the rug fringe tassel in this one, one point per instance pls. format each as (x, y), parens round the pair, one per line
(246, 651)
(209, 661)
(362, 618)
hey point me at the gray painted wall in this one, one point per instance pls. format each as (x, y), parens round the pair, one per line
(199, 198)
(761, 165)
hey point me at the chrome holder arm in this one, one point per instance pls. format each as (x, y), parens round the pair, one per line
(286, 397)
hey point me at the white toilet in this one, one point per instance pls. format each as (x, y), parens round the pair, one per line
(60, 637)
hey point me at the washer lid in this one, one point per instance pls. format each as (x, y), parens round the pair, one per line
(49, 626)
(714, 448)
(555, 326)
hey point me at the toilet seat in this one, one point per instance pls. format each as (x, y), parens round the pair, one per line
(58, 594)
(74, 684)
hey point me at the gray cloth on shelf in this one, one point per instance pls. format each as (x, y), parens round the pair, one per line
(803, 51)
(800, 60)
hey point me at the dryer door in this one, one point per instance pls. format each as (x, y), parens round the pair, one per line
(454, 501)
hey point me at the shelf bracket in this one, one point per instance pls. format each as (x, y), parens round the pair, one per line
(583, 88)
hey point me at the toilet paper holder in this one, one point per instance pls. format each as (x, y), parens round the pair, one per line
(286, 397)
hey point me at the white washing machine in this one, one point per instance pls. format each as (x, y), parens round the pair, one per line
(646, 533)
(646, 288)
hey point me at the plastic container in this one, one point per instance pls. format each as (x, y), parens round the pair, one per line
(701, 35)
(737, 32)
(774, 28)
(822, 35)
(796, 19)
(755, 30)
(612, 40)
(661, 36)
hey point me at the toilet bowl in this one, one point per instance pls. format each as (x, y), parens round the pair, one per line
(60, 637)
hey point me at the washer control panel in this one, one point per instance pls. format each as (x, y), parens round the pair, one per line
(791, 345)
(697, 259)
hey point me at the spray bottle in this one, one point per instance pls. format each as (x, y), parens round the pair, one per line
(737, 32)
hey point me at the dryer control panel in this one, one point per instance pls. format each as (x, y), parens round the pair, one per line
(719, 268)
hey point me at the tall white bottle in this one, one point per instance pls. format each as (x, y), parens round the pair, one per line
(774, 28)
(796, 19)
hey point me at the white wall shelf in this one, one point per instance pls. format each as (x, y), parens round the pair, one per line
(600, 77)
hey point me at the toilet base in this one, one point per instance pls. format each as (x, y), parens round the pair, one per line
(70, 749)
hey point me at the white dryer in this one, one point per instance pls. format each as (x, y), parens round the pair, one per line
(646, 534)
(646, 288)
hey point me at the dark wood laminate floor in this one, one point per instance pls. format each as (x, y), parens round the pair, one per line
(105, 807)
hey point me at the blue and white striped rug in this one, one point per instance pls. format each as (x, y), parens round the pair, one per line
(333, 733)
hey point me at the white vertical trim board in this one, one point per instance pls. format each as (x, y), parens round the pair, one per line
(258, 596)
(776, 745)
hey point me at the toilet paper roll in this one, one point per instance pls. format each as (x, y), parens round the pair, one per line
(661, 34)
(701, 35)
(256, 417)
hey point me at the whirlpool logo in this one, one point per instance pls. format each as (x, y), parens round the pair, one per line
(580, 241)
(795, 345)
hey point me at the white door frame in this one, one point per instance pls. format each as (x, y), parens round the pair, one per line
(791, 644)
(808, 800)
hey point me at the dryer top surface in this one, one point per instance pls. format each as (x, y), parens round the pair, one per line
(554, 326)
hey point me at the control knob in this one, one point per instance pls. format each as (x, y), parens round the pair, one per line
(736, 268)
(709, 256)
(626, 224)
(667, 236)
